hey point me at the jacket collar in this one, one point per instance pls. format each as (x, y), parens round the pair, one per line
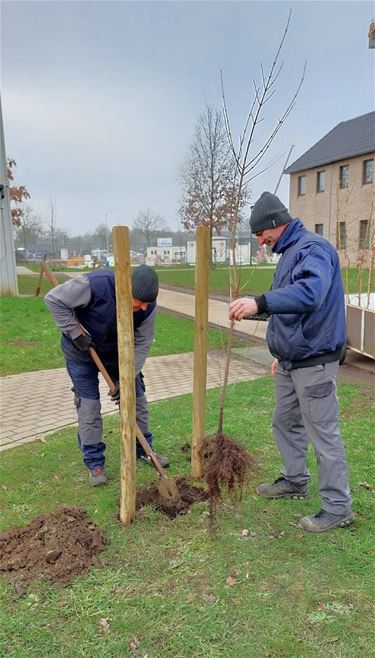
(289, 236)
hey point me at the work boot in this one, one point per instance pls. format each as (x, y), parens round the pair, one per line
(282, 488)
(323, 521)
(163, 459)
(97, 476)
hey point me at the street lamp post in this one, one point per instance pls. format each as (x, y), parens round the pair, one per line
(106, 232)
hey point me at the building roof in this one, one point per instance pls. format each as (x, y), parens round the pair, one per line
(347, 140)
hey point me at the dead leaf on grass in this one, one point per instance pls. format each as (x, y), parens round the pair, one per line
(367, 486)
(105, 626)
(209, 598)
(134, 643)
(276, 536)
(245, 533)
(230, 581)
(331, 640)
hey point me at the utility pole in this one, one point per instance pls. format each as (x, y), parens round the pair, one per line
(106, 231)
(8, 272)
(283, 169)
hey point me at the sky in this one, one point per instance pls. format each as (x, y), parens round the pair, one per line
(100, 99)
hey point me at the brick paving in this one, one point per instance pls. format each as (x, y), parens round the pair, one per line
(35, 403)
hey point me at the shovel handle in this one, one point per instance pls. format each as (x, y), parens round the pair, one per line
(139, 434)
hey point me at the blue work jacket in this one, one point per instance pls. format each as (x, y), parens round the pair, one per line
(306, 301)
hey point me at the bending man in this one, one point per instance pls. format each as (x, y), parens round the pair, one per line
(90, 300)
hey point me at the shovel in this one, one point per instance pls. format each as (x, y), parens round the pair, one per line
(167, 487)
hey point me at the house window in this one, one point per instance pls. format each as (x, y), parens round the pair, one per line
(301, 185)
(341, 235)
(368, 171)
(320, 181)
(364, 238)
(344, 176)
(319, 229)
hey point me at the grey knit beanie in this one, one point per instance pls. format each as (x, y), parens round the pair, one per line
(145, 284)
(268, 212)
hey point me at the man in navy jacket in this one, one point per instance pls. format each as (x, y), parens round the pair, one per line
(306, 334)
(89, 301)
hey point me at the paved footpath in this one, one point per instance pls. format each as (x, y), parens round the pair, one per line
(35, 403)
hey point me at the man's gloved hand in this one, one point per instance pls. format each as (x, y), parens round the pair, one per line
(115, 395)
(142, 381)
(83, 342)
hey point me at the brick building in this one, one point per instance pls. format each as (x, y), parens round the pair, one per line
(332, 188)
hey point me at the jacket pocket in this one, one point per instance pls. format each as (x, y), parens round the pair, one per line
(319, 390)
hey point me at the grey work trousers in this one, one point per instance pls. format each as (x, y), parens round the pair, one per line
(307, 409)
(90, 424)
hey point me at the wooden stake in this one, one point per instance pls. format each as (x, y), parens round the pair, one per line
(202, 266)
(41, 272)
(52, 279)
(125, 341)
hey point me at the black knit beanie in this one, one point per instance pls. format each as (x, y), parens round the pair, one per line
(145, 284)
(268, 212)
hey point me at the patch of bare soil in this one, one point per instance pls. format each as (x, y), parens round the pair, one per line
(189, 494)
(17, 342)
(54, 547)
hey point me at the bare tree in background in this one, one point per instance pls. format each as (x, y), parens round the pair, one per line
(17, 194)
(52, 226)
(29, 228)
(209, 177)
(148, 224)
(102, 235)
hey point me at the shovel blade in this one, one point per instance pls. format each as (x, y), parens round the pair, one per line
(168, 490)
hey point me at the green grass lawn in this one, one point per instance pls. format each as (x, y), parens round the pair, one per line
(253, 280)
(163, 584)
(27, 283)
(30, 340)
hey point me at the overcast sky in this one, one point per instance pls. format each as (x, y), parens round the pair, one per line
(100, 99)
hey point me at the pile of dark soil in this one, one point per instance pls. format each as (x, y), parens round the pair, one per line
(55, 547)
(189, 493)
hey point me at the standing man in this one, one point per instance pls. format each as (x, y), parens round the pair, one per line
(306, 333)
(89, 301)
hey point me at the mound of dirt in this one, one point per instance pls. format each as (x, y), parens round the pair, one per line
(54, 547)
(189, 493)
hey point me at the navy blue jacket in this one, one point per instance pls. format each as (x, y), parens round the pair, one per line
(306, 301)
(99, 319)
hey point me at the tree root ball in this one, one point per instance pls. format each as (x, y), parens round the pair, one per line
(227, 467)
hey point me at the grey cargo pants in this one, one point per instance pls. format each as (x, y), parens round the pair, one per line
(307, 409)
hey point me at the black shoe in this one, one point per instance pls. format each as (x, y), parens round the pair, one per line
(97, 476)
(162, 459)
(282, 488)
(323, 521)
